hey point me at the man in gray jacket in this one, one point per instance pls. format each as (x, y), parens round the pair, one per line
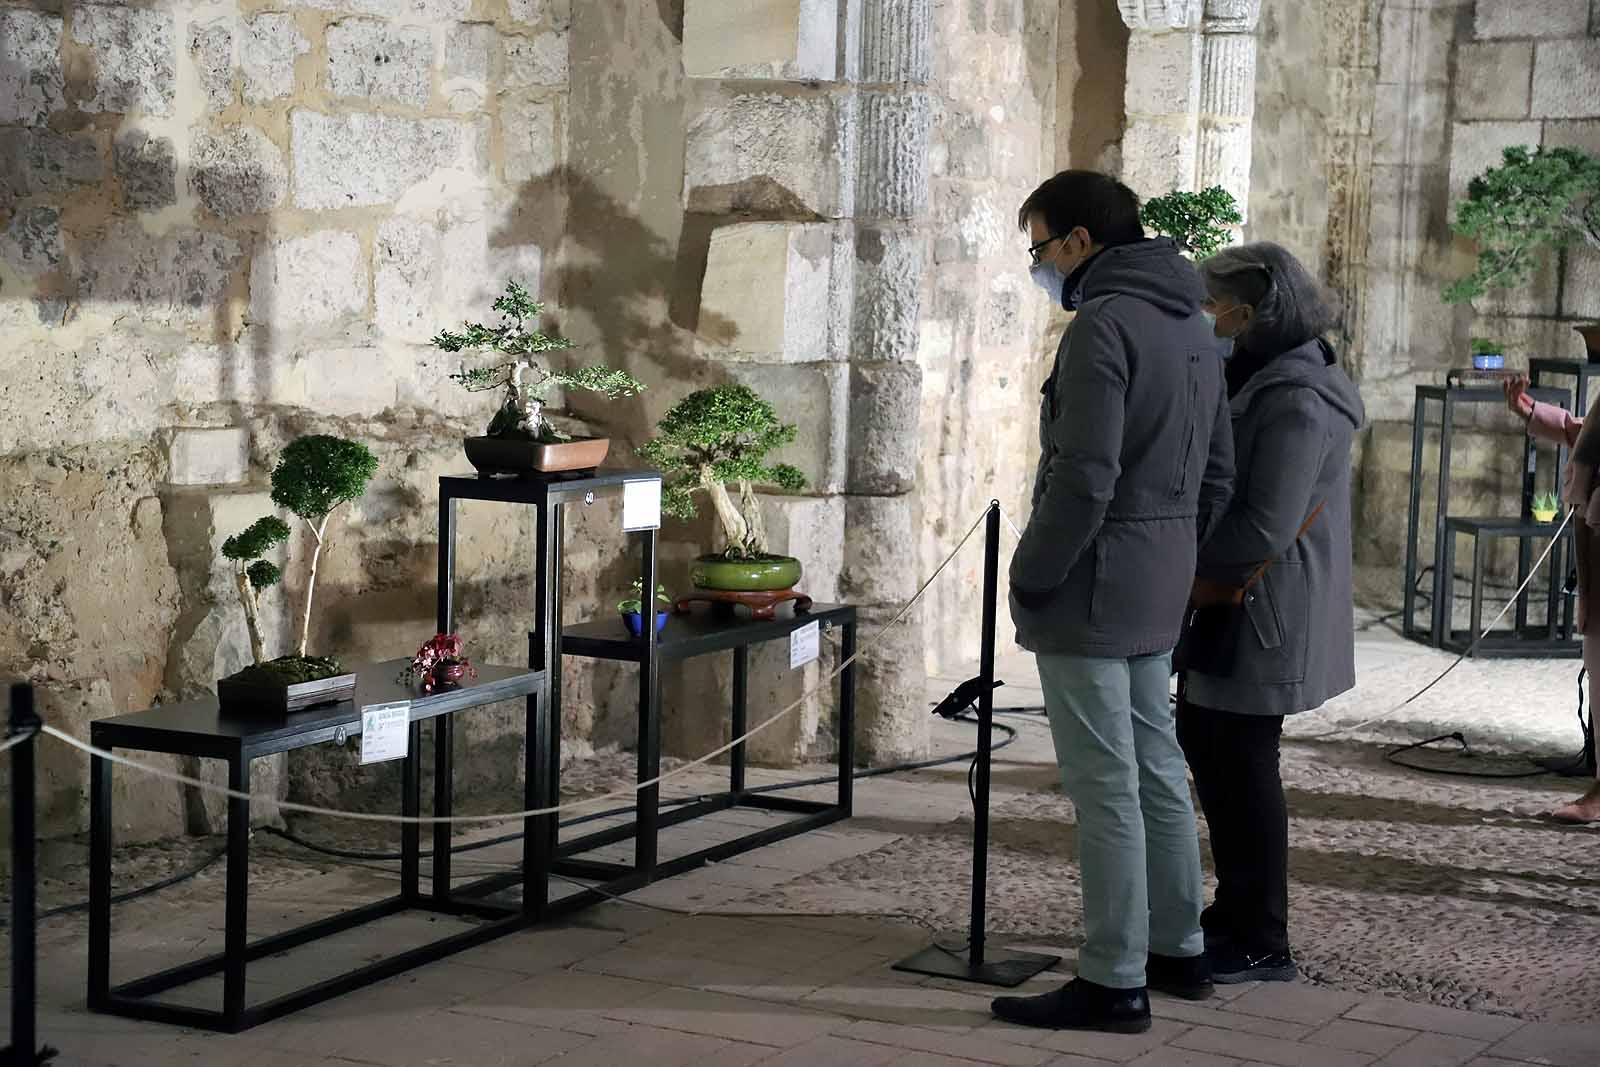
(1136, 463)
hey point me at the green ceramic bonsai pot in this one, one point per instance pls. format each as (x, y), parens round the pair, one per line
(759, 575)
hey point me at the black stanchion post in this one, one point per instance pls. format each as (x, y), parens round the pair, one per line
(974, 962)
(24, 1047)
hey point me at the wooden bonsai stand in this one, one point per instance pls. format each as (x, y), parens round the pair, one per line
(762, 605)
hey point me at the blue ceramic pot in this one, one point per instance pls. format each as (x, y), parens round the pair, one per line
(635, 621)
(1488, 361)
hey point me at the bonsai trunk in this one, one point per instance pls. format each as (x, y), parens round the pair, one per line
(755, 540)
(317, 531)
(252, 616)
(733, 524)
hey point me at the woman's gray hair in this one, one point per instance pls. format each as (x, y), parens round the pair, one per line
(1290, 307)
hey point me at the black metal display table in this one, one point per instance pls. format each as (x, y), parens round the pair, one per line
(199, 728)
(1450, 399)
(1580, 373)
(705, 633)
(1554, 638)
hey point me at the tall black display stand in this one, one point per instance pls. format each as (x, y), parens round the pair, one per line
(976, 962)
(24, 1047)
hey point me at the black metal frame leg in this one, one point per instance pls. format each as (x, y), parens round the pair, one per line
(100, 841)
(847, 720)
(237, 925)
(648, 799)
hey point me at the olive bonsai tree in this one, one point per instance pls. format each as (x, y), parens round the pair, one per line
(315, 476)
(718, 437)
(1198, 222)
(252, 574)
(522, 376)
(1537, 199)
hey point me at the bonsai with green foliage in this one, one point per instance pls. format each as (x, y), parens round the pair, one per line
(252, 574)
(315, 476)
(717, 437)
(1483, 346)
(1537, 199)
(524, 379)
(1198, 222)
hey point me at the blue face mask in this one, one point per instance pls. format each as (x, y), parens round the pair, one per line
(1048, 278)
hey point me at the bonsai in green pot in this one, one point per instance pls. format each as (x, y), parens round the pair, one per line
(521, 437)
(712, 439)
(1537, 200)
(315, 476)
(1198, 222)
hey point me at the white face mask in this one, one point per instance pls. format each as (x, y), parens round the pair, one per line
(1048, 277)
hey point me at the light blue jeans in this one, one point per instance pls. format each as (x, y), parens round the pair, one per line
(1138, 842)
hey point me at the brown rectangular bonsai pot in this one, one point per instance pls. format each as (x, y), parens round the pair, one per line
(500, 455)
(241, 696)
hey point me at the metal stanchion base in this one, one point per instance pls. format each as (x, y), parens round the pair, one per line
(1000, 967)
(1570, 766)
(8, 1058)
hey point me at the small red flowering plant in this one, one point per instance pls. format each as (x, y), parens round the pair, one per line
(439, 663)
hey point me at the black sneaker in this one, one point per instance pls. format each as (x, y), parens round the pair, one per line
(1188, 977)
(1080, 1005)
(1232, 965)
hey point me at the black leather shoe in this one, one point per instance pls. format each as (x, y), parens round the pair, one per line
(1188, 977)
(1232, 965)
(1080, 1005)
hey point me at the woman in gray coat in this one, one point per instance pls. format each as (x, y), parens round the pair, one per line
(1295, 414)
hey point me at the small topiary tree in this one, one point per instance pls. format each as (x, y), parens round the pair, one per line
(252, 574)
(315, 475)
(1537, 199)
(718, 436)
(1198, 222)
(526, 382)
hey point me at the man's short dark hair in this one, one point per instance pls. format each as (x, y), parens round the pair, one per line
(1098, 202)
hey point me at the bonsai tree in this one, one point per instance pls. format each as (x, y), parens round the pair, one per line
(314, 476)
(524, 379)
(1537, 199)
(717, 437)
(1198, 222)
(252, 574)
(1483, 346)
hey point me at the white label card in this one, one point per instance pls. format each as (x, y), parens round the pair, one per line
(641, 505)
(804, 644)
(385, 731)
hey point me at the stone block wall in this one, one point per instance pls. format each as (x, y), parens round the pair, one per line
(223, 225)
(226, 224)
(1398, 104)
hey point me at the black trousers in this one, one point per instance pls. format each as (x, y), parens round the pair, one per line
(1234, 759)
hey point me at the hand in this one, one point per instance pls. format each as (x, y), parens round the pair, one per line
(1517, 398)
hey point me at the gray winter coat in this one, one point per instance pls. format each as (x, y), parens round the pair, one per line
(1135, 463)
(1293, 424)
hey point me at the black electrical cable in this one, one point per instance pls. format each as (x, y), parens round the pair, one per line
(132, 894)
(1461, 739)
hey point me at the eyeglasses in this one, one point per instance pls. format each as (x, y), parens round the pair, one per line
(1035, 249)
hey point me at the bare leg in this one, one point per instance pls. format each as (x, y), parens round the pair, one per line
(1587, 807)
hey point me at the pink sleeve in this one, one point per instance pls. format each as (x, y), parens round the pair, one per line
(1554, 424)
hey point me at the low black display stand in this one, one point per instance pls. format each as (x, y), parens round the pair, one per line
(200, 728)
(976, 962)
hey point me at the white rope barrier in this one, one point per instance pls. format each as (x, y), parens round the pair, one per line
(629, 791)
(17, 739)
(1469, 650)
(572, 805)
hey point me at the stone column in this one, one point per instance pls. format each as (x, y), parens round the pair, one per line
(1162, 95)
(1227, 96)
(817, 195)
(879, 572)
(1190, 95)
